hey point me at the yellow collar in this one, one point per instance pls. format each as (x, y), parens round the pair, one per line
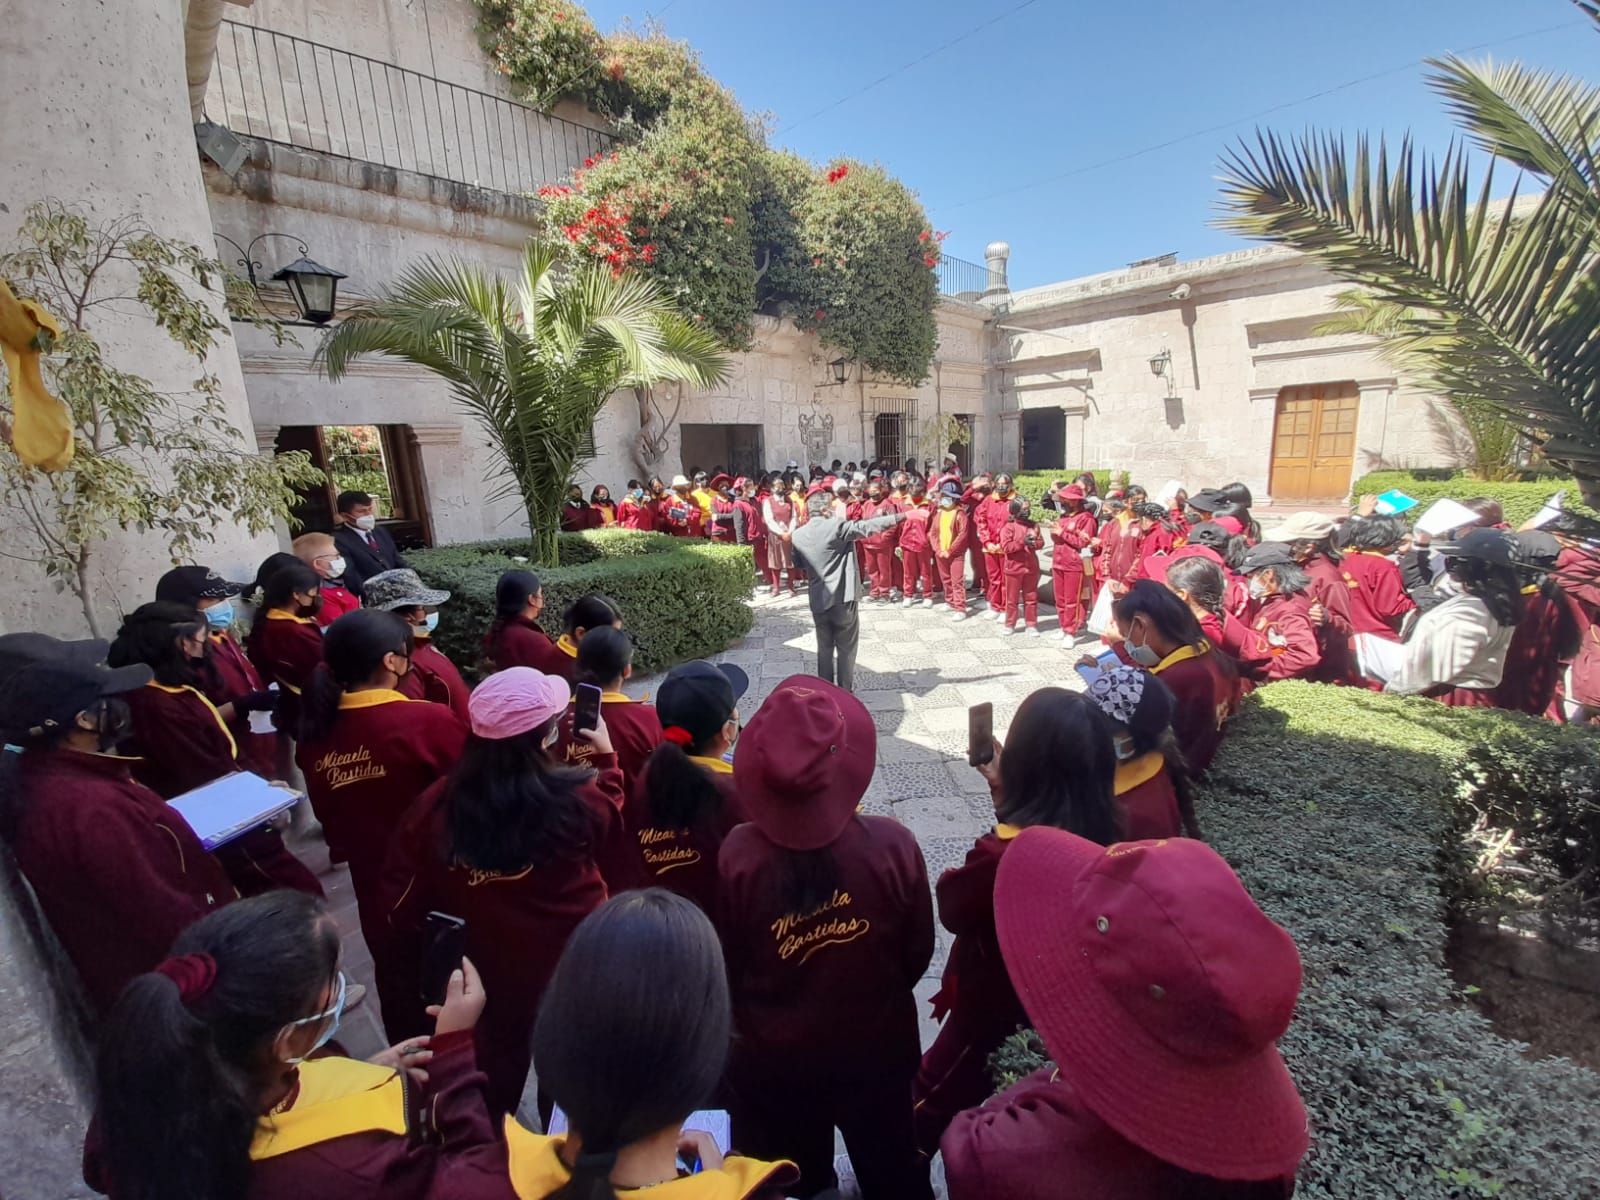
(1006, 832)
(338, 1097)
(1139, 770)
(715, 765)
(283, 614)
(206, 700)
(1181, 654)
(567, 646)
(537, 1172)
(372, 698)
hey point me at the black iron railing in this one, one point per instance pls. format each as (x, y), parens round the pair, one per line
(959, 277)
(285, 89)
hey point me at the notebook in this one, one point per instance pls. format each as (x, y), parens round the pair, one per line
(233, 805)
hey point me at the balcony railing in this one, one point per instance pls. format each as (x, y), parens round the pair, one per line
(959, 277)
(285, 89)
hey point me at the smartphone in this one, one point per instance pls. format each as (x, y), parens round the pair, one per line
(586, 710)
(444, 945)
(980, 735)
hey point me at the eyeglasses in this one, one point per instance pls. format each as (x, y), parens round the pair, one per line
(332, 1010)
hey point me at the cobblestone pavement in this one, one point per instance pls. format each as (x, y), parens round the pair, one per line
(917, 672)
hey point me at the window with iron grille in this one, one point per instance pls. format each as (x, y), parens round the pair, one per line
(894, 434)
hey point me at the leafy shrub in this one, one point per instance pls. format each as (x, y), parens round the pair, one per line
(1519, 500)
(550, 51)
(1034, 484)
(1341, 810)
(680, 599)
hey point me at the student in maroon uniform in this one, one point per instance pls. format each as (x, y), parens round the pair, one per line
(747, 527)
(583, 614)
(975, 1000)
(603, 507)
(1378, 600)
(1285, 634)
(227, 677)
(1196, 576)
(780, 513)
(182, 740)
(720, 524)
(626, 1085)
(367, 753)
(990, 517)
(975, 495)
(432, 676)
(1309, 537)
(1548, 636)
(118, 874)
(879, 547)
(515, 638)
(576, 515)
(514, 844)
(605, 660)
(916, 548)
(1019, 540)
(1161, 635)
(318, 551)
(1157, 537)
(1074, 532)
(1181, 1095)
(688, 802)
(678, 513)
(636, 511)
(285, 642)
(949, 534)
(1154, 799)
(205, 1085)
(827, 924)
(1120, 539)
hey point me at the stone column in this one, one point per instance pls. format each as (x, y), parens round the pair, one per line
(995, 256)
(1006, 453)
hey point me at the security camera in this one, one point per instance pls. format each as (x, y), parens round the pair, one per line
(1181, 292)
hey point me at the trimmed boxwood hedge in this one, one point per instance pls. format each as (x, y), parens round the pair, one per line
(680, 599)
(1342, 812)
(1519, 500)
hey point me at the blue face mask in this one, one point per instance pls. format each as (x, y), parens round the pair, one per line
(1142, 656)
(431, 622)
(220, 616)
(331, 1015)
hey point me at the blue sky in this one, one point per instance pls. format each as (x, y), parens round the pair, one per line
(1053, 93)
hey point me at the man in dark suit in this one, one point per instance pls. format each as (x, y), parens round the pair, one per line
(367, 550)
(825, 547)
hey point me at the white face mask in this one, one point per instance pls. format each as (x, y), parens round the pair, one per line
(431, 622)
(366, 524)
(335, 568)
(1143, 656)
(1258, 589)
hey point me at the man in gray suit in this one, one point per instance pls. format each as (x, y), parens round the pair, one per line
(825, 546)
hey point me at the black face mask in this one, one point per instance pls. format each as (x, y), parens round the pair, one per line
(113, 720)
(312, 609)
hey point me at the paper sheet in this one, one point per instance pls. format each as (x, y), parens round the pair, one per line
(1392, 503)
(1444, 515)
(714, 1121)
(223, 809)
(1100, 620)
(1377, 657)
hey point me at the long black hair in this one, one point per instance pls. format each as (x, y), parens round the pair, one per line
(353, 650)
(179, 1086)
(508, 807)
(1374, 533)
(1568, 639)
(280, 587)
(1162, 608)
(1059, 767)
(1498, 587)
(589, 612)
(150, 634)
(634, 1030)
(1239, 503)
(511, 593)
(270, 566)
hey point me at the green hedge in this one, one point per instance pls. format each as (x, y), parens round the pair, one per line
(680, 599)
(1519, 500)
(1034, 484)
(1343, 810)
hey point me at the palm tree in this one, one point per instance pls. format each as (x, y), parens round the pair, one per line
(1497, 302)
(533, 359)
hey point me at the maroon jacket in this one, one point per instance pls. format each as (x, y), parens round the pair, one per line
(445, 1117)
(1037, 1141)
(1206, 687)
(685, 860)
(434, 678)
(118, 874)
(286, 649)
(1074, 533)
(914, 530)
(1147, 799)
(1119, 550)
(517, 922)
(827, 993)
(229, 675)
(1330, 589)
(635, 731)
(975, 988)
(1533, 668)
(1020, 544)
(960, 533)
(1378, 599)
(1285, 637)
(520, 642)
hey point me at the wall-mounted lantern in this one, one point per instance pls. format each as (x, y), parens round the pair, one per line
(313, 287)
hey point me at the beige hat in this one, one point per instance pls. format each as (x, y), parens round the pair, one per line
(1300, 527)
(679, 481)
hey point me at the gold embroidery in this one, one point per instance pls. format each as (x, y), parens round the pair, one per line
(349, 767)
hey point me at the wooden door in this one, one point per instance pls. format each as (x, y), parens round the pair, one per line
(1314, 442)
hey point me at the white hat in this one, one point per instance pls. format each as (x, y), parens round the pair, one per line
(949, 456)
(680, 481)
(1300, 527)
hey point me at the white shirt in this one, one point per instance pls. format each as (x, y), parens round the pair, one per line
(773, 524)
(1456, 644)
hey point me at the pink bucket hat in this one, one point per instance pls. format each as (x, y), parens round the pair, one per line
(516, 700)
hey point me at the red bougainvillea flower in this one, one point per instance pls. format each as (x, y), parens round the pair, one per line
(923, 236)
(561, 16)
(817, 316)
(616, 70)
(930, 261)
(838, 173)
(727, 220)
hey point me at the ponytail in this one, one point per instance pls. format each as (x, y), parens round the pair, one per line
(353, 650)
(1182, 781)
(319, 705)
(681, 795)
(1568, 638)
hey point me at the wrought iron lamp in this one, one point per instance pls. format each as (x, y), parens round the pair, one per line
(313, 287)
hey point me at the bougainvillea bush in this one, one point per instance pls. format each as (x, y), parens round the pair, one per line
(693, 196)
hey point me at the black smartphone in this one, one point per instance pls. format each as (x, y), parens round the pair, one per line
(444, 945)
(586, 710)
(980, 735)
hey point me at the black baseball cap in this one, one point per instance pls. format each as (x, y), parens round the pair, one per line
(185, 585)
(699, 696)
(1266, 554)
(47, 695)
(20, 650)
(1490, 545)
(1207, 500)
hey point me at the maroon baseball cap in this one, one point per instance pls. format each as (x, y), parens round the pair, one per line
(804, 761)
(1071, 492)
(1158, 564)
(1160, 990)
